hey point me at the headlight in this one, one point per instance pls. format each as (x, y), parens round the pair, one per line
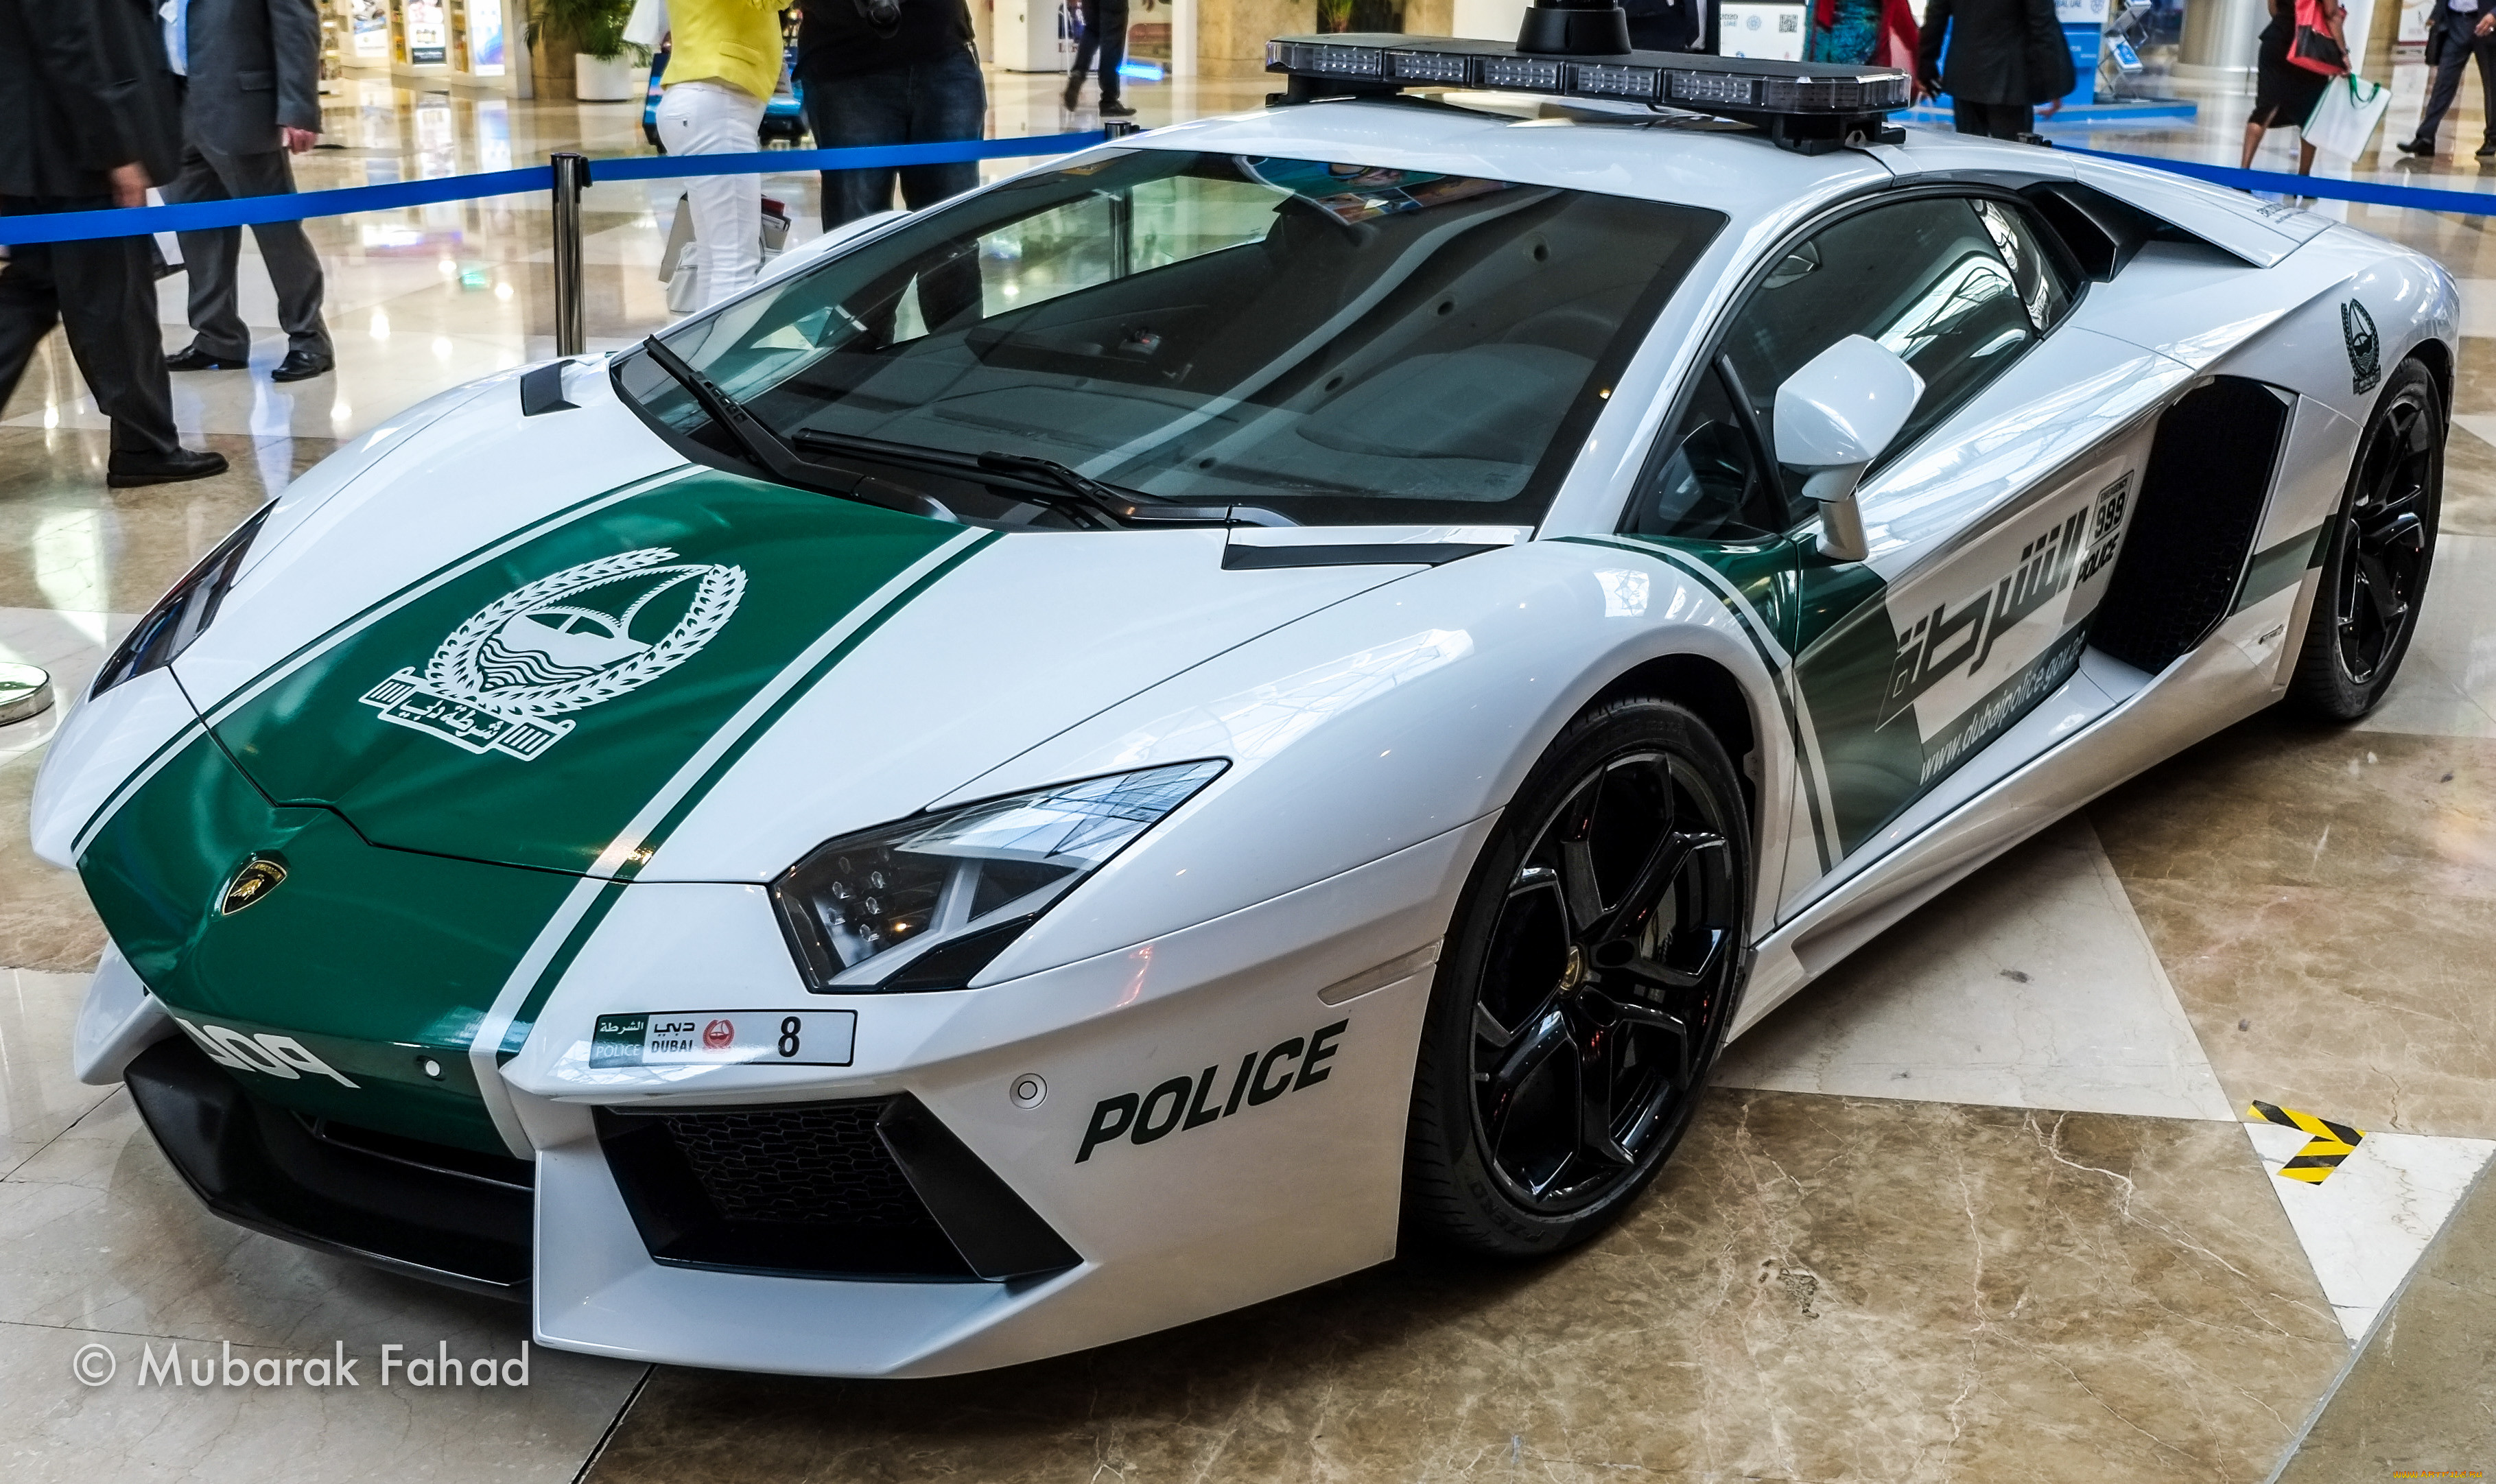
(182, 614)
(926, 903)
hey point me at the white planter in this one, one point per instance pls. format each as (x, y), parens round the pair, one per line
(603, 82)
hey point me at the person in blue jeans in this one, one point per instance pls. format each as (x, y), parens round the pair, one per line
(889, 71)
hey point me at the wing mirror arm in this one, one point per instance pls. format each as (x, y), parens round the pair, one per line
(1833, 418)
(1841, 518)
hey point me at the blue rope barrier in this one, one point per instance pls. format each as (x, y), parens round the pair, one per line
(199, 216)
(2282, 183)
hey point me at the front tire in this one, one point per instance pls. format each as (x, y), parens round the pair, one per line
(2381, 546)
(1588, 978)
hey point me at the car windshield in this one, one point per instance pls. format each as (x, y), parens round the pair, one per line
(1336, 344)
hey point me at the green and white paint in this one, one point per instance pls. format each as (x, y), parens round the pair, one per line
(1887, 685)
(458, 780)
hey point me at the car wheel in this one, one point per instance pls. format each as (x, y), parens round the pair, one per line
(2381, 546)
(1585, 985)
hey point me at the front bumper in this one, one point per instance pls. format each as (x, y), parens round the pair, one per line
(1222, 1123)
(429, 1211)
(875, 1189)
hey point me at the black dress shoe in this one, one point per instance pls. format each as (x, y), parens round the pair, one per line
(1111, 107)
(132, 469)
(193, 358)
(1074, 91)
(302, 366)
(2415, 147)
(2487, 151)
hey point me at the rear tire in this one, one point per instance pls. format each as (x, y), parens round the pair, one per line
(2380, 549)
(1586, 988)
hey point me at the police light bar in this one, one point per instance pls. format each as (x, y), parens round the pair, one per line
(1803, 105)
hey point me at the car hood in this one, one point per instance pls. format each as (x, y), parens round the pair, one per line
(569, 694)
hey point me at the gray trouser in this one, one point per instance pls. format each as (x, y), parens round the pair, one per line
(209, 257)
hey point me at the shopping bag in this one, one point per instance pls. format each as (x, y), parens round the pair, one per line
(647, 25)
(2345, 117)
(2312, 47)
(680, 269)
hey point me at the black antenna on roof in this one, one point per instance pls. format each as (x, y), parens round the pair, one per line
(1575, 28)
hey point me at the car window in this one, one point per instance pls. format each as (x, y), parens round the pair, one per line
(2046, 286)
(1706, 481)
(1926, 278)
(1342, 343)
(1096, 238)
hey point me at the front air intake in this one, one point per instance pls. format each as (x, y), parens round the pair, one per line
(873, 1187)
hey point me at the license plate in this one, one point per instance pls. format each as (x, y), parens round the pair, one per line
(725, 1038)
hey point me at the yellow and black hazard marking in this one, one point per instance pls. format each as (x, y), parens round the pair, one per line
(2321, 1155)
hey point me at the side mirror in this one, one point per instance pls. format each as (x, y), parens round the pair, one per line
(1833, 418)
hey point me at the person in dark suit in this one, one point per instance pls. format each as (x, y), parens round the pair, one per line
(2005, 57)
(249, 72)
(2456, 31)
(1667, 25)
(86, 111)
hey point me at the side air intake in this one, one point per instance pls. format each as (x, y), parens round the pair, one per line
(2210, 473)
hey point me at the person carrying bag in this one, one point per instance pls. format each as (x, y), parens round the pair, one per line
(2302, 51)
(723, 62)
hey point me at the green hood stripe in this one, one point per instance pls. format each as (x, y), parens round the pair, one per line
(506, 717)
(514, 1017)
(745, 740)
(400, 956)
(398, 599)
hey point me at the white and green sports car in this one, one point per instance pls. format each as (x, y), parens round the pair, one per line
(1119, 746)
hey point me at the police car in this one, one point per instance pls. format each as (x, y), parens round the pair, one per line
(1126, 744)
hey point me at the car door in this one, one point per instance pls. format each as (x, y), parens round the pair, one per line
(1993, 521)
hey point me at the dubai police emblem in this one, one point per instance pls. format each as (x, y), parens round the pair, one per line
(587, 635)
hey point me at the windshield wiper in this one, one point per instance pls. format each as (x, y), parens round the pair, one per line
(1129, 505)
(961, 466)
(1121, 507)
(1045, 482)
(768, 451)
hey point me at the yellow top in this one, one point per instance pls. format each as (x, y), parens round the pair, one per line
(736, 42)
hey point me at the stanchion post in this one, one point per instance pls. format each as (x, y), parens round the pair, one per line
(571, 326)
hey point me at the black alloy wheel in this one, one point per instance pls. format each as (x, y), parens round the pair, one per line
(2381, 545)
(1585, 986)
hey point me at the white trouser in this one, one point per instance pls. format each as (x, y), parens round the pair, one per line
(707, 117)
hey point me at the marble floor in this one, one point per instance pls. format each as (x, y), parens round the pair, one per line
(1988, 1202)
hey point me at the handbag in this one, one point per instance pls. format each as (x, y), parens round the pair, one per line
(680, 269)
(2312, 47)
(2345, 116)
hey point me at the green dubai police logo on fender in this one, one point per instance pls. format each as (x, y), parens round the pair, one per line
(561, 643)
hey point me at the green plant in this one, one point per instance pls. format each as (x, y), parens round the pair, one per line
(594, 27)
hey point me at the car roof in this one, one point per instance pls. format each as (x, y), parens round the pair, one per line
(1628, 150)
(1678, 158)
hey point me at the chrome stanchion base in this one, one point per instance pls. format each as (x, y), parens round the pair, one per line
(25, 692)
